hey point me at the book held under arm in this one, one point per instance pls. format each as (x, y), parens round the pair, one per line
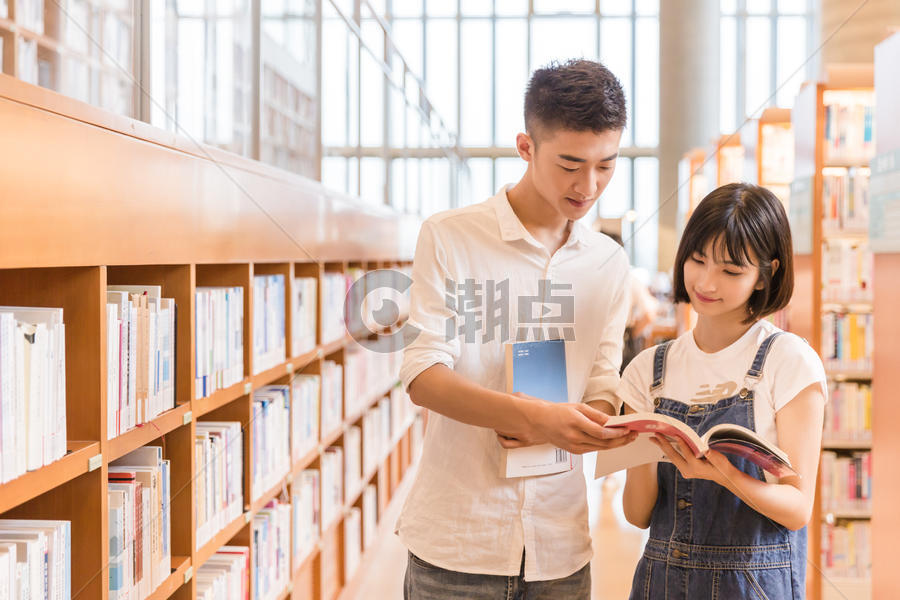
(537, 369)
(726, 438)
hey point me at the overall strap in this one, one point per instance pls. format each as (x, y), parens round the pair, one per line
(659, 366)
(759, 361)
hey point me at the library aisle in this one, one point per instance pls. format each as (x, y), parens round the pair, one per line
(617, 546)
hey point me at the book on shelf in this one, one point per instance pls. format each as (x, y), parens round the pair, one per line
(369, 516)
(224, 574)
(4, 14)
(305, 306)
(268, 322)
(849, 126)
(147, 467)
(219, 333)
(270, 546)
(847, 269)
(32, 389)
(777, 160)
(332, 478)
(141, 347)
(846, 550)
(352, 459)
(35, 559)
(848, 413)
(845, 197)
(30, 15)
(306, 496)
(537, 369)
(218, 450)
(270, 422)
(847, 341)
(332, 396)
(352, 540)
(725, 437)
(846, 485)
(334, 293)
(131, 501)
(305, 394)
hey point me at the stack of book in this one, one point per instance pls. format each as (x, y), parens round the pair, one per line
(305, 394)
(139, 523)
(35, 559)
(32, 389)
(219, 337)
(271, 546)
(848, 413)
(219, 456)
(225, 575)
(270, 421)
(306, 496)
(332, 396)
(849, 131)
(140, 355)
(268, 322)
(304, 309)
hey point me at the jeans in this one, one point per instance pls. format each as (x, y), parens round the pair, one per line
(425, 581)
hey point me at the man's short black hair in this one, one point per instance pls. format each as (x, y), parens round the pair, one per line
(577, 95)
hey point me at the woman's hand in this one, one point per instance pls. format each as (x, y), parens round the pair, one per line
(715, 466)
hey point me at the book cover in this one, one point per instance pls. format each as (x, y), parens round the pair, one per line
(537, 369)
(726, 438)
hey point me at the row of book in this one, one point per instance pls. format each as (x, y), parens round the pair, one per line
(849, 127)
(268, 322)
(332, 396)
(847, 341)
(777, 161)
(32, 389)
(370, 371)
(140, 355)
(846, 482)
(218, 485)
(270, 540)
(140, 550)
(847, 269)
(270, 422)
(847, 549)
(845, 197)
(334, 294)
(305, 397)
(848, 413)
(219, 335)
(35, 559)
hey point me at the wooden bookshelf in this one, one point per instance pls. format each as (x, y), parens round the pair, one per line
(885, 409)
(173, 215)
(728, 154)
(808, 305)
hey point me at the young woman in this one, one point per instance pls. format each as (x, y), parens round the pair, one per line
(719, 526)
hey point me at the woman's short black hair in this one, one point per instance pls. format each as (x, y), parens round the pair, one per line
(746, 223)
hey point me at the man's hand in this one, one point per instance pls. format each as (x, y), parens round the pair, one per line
(577, 428)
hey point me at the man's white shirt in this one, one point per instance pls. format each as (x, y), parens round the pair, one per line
(480, 279)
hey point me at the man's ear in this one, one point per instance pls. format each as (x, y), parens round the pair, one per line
(525, 146)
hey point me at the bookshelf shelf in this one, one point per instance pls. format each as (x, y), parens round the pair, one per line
(34, 483)
(145, 433)
(220, 398)
(267, 496)
(849, 515)
(174, 581)
(220, 539)
(848, 375)
(847, 445)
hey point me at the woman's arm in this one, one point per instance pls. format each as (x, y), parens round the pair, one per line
(640, 492)
(790, 501)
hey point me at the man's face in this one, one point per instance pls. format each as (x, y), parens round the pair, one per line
(570, 169)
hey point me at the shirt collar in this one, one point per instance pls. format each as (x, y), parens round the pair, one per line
(511, 227)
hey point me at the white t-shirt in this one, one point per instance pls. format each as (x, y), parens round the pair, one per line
(693, 376)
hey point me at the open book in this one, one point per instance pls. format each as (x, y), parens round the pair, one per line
(726, 438)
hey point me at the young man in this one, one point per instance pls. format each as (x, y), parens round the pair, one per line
(492, 273)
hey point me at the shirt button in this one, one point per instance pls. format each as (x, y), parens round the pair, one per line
(683, 504)
(744, 393)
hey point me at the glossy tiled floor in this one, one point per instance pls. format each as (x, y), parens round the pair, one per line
(617, 546)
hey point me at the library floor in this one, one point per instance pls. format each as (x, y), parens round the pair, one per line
(617, 546)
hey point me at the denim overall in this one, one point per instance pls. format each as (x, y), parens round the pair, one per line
(705, 543)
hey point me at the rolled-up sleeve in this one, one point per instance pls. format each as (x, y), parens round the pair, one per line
(603, 381)
(429, 312)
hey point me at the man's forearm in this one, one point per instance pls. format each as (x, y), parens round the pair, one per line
(441, 390)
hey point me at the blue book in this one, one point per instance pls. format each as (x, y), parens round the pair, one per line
(537, 369)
